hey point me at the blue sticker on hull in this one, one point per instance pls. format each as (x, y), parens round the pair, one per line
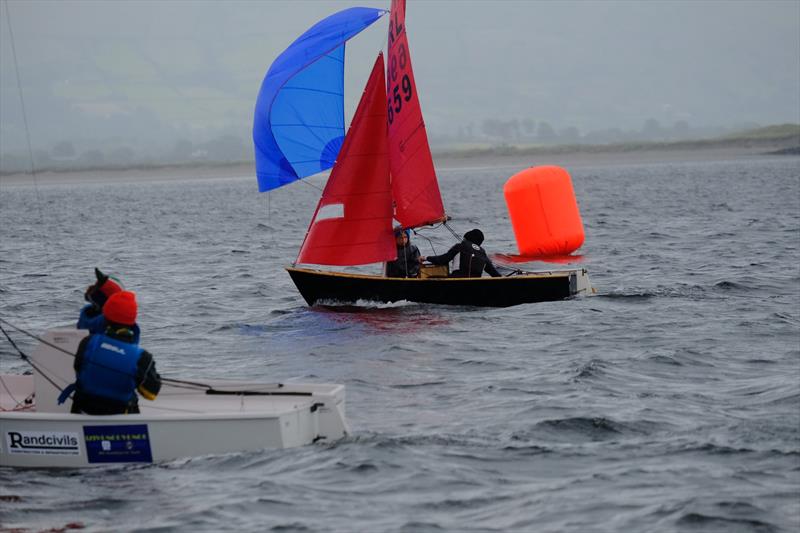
(117, 444)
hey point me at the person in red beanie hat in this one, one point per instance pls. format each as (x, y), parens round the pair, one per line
(121, 308)
(97, 295)
(111, 367)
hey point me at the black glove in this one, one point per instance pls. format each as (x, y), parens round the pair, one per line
(92, 289)
(101, 278)
(93, 311)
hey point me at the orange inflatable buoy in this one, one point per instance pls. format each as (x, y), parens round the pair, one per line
(544, 212)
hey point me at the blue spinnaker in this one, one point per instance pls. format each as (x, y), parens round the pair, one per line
(298, 125)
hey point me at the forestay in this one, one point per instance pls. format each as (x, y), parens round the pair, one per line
(298, 124)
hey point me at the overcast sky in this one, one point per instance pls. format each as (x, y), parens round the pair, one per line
(159, 71)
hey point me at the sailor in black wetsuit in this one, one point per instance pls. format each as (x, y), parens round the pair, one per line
(472, 260)
(110, 367)
(407, 263)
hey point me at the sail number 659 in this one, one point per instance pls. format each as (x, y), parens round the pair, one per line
(395, 102)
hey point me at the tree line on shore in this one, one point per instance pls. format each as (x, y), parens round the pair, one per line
(492, 136)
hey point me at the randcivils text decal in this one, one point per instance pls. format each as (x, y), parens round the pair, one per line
(43, 442)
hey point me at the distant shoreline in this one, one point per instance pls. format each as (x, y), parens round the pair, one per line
(451, 160)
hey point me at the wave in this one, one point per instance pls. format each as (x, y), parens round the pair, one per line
(644, 295)
(362, 305)
(439, 439)
(786, 318)
(476, 362)
(593, 368)
(454, 504)
(665, 359)
(593, 427)
(723, 449)
(417, 527)
(418, 385)
(725, 285)
(710, 523)
(718, 289)
(290, 526)
(581, 429)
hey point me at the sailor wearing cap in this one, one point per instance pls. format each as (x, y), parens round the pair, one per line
(111, 367)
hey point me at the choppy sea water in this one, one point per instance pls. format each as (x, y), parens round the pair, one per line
(670, 401)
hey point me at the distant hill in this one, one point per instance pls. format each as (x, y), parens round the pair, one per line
(778, 131)
(783, 139)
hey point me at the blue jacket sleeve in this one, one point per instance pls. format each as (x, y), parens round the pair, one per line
(91, 319)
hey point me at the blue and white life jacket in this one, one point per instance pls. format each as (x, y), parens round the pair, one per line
(109, 368)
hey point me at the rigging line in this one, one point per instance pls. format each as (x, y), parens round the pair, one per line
(268, 205)
(303, 180)
(62, 350)
(194, 387)
(433, 228)
(500, 265)
(511, 269)
(180, 385)
(24, 114)
(247, 392)
(11, 395)
(186, 384)
(28, 359)
(31, 335)
(456, 235)
(430, 242)
(209, 389)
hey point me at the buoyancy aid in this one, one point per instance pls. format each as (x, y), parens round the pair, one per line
(109, 368)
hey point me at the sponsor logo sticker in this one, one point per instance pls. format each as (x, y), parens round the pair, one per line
(117, 444)
(113, 348)
(43, 442)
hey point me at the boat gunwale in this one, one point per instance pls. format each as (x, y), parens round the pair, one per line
(171, 405)
(148, 418)
(532, 275)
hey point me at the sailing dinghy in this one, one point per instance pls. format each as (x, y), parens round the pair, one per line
(382, 172)
(187, 419)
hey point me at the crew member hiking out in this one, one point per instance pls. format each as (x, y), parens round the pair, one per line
(110, 367)
(472, 259)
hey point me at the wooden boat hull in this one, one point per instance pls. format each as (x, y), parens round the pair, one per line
(318, 286)
(181, 422)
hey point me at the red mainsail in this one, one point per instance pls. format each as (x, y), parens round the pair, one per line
(414, 186)
(353, 221)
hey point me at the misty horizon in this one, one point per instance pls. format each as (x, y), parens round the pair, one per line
(131, 80)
